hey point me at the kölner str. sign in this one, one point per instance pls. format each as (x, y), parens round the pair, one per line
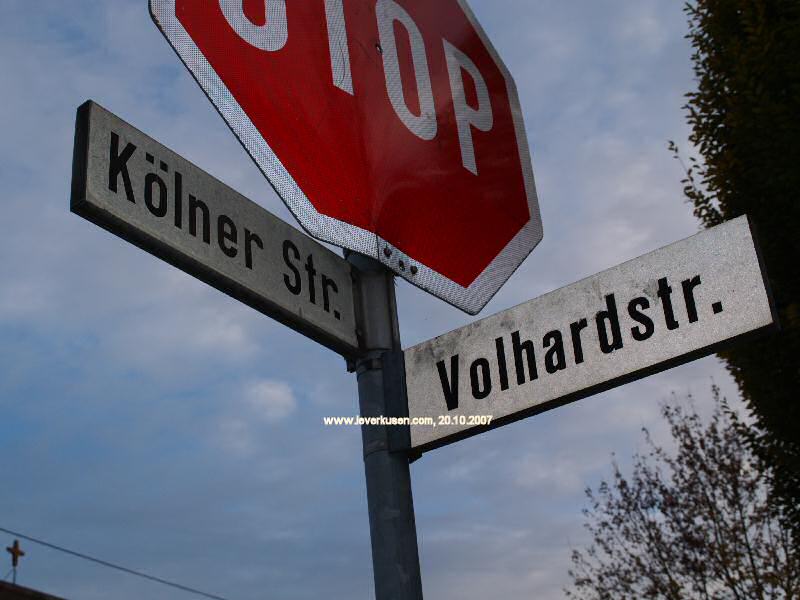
(131, 185)
(431, 181)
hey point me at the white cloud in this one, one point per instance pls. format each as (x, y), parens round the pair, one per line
(642, 28)
(261, 402)
(556, 473)
(271, 401)
(235, 436)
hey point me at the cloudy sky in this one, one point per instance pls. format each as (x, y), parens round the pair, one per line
(149, 420)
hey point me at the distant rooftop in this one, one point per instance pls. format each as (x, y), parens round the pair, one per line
(9, 591)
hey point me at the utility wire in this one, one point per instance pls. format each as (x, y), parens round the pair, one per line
(111, 565)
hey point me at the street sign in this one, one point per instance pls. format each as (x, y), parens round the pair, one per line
(641, 317)
(129, 184)
(389, 127)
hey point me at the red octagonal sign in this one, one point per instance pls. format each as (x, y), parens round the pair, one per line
(389, 127)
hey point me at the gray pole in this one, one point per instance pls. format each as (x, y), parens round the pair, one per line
(381, 392)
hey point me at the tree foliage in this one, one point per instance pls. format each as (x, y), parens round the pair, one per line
(745, 119)
(690, 524)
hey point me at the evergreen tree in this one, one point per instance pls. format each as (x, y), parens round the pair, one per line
(745, 119)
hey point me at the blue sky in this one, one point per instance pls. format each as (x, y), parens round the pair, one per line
(152, 421)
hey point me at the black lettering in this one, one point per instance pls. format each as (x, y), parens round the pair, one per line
(178, 200)
(297, 286)
(688, 296)
(449, 384)
(665, 293)
(577, 346)
(328, 284)
(249, 239)
(118, 165)
(501, 363)
(481, 382)
(609, 318)
(226, 232)
(519, 349)
(554, 359)
(312, 284)
(160, 209)
(635, 308)
(194, 205)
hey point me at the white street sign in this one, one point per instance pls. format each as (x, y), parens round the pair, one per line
(129, 184)
(641, 317)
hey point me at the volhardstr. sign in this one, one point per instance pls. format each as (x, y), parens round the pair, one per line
(646, 315)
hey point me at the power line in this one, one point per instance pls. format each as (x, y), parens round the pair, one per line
(112, 565)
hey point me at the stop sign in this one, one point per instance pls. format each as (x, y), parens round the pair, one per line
(389, 127)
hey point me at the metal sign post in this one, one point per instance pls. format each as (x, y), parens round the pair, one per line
(381, 392)
(131, 185)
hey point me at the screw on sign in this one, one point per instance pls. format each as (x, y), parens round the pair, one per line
(389, 127)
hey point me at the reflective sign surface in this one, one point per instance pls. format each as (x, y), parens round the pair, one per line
(131, 185)
(390, 127)
(646, 315)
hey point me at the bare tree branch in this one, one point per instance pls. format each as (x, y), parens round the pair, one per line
(693, 524)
